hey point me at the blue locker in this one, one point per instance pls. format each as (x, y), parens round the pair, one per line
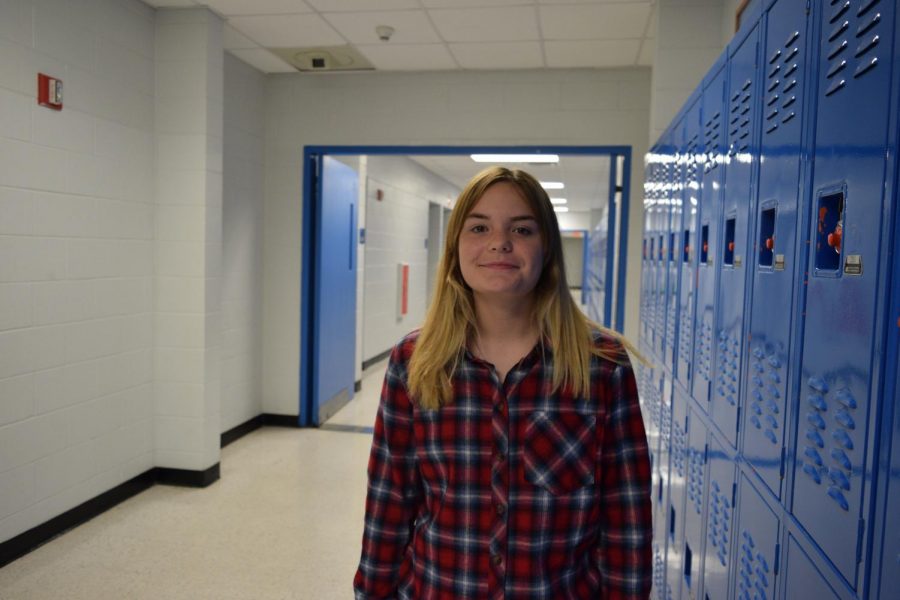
(648, 295)
(687, 248)
(661, 228)
(720, 521)
(802, 579)
(713, 151)
(677, 495)
(845, 254)
(774, 248)
(742, 104)
(672, 242)
(757, 550)
(696, 484)
(665, 417)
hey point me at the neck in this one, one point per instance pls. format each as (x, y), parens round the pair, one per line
(505, 320)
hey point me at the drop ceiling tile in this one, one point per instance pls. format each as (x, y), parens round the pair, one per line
(513, 24)
(361, 5)
(410, 26)
(288, 31)
(594, 21)
(409, 57)
(233, 39)
(258, 7)
(471, 3)
(263, 60)
(499, 55)
(592, 53)
(171, 3)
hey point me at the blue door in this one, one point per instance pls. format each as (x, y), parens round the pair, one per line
(334, 303)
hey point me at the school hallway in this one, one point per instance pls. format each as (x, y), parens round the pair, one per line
(256, 533)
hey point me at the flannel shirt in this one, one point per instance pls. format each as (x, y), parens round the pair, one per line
(511, 491)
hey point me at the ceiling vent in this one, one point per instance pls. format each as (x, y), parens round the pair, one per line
(326, 58)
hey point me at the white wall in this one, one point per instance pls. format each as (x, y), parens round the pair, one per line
(396, 230)
(76, 240)
(572, 107)
(242, 240)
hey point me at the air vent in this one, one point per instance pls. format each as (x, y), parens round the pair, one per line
(326, 58)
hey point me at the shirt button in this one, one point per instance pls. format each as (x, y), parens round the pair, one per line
(501, 510)
(497, 559)
(501, 407)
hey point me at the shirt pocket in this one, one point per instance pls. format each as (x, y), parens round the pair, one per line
(560, 451)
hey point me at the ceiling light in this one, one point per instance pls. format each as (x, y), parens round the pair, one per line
(560, 209)
(558, 200)
(515, 158)
(552, 185)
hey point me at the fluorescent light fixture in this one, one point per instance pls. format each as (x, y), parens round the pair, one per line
(552, 185)
(558, 200)
(560, 209)
(515, 158)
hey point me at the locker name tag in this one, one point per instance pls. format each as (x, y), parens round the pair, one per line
(853, 265)
(779, 262)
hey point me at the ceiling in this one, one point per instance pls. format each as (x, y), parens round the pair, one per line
(432, 35)
(586, 178)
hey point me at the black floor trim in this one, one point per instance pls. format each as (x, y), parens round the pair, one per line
(186, 478)
(236, 433)
(377, 358)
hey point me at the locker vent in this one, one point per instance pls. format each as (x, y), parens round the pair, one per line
(679, 444)
(765, 397)
(728, 368)
(753, 578)
(712, 141)
(852, 42)
(739, 118)
(704, 345)
(659, 572)
(719, 522)
(829, 426)
(695, 478)
(783, 94)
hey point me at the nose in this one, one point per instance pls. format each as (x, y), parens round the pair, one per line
(501, 242)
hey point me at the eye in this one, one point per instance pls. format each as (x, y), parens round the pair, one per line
(478, 228)
(523, 230)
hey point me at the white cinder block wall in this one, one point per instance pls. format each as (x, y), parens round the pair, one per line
(242, 236)
(571, 107)
(76, 255)
(396, 230)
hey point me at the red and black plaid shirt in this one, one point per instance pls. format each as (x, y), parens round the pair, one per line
(511, 491)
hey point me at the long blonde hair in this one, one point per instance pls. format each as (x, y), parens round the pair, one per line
(451, 317)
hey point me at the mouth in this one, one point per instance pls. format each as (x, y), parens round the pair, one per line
(499, 265)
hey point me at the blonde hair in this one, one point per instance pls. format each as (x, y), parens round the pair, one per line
(451, 317)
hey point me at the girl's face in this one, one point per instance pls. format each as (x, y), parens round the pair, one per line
(500, 247)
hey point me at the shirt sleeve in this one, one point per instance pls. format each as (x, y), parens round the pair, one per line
(394, 491)
(625, 554)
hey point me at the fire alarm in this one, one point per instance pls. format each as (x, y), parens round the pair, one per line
(50, 92)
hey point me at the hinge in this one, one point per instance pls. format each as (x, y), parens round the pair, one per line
(733, 493)
(738, 419)
(705, 454)
(777, 557)
(781, 471)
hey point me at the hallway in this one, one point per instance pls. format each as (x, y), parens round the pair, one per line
(284, 522)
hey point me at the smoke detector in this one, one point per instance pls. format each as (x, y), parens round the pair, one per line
(325, 58)
(384, 32)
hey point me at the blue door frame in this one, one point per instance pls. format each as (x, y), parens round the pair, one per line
(312, 159)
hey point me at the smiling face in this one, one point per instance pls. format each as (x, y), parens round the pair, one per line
(500, 246)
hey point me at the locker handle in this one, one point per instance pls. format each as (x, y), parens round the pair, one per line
(352, 239)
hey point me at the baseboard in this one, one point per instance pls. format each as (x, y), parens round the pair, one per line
(375, 359)
(35, 537)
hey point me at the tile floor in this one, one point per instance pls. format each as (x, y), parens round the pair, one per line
(284, 522)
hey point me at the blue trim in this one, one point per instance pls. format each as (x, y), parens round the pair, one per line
(619, 324)
(309, 246)
(611, 235)
(585, 271)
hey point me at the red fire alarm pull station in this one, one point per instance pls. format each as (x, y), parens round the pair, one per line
(50, 92)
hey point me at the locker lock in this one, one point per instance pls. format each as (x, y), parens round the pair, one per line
(731, 246)
(834, 238)
(705, 247)
(770, 243)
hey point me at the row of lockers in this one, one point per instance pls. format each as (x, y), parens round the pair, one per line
(769, 312)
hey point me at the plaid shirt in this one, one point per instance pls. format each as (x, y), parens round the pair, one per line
(511, 491)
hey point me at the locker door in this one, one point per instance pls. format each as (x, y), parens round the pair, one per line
(335, 318)
(696, 484)
(802, 578)
(713, 132)
(842, 290)
(720, 521)
(774, 246)
(687, 248)
(757, 550)
(661, 229)
(735, 219)
(678, 471)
